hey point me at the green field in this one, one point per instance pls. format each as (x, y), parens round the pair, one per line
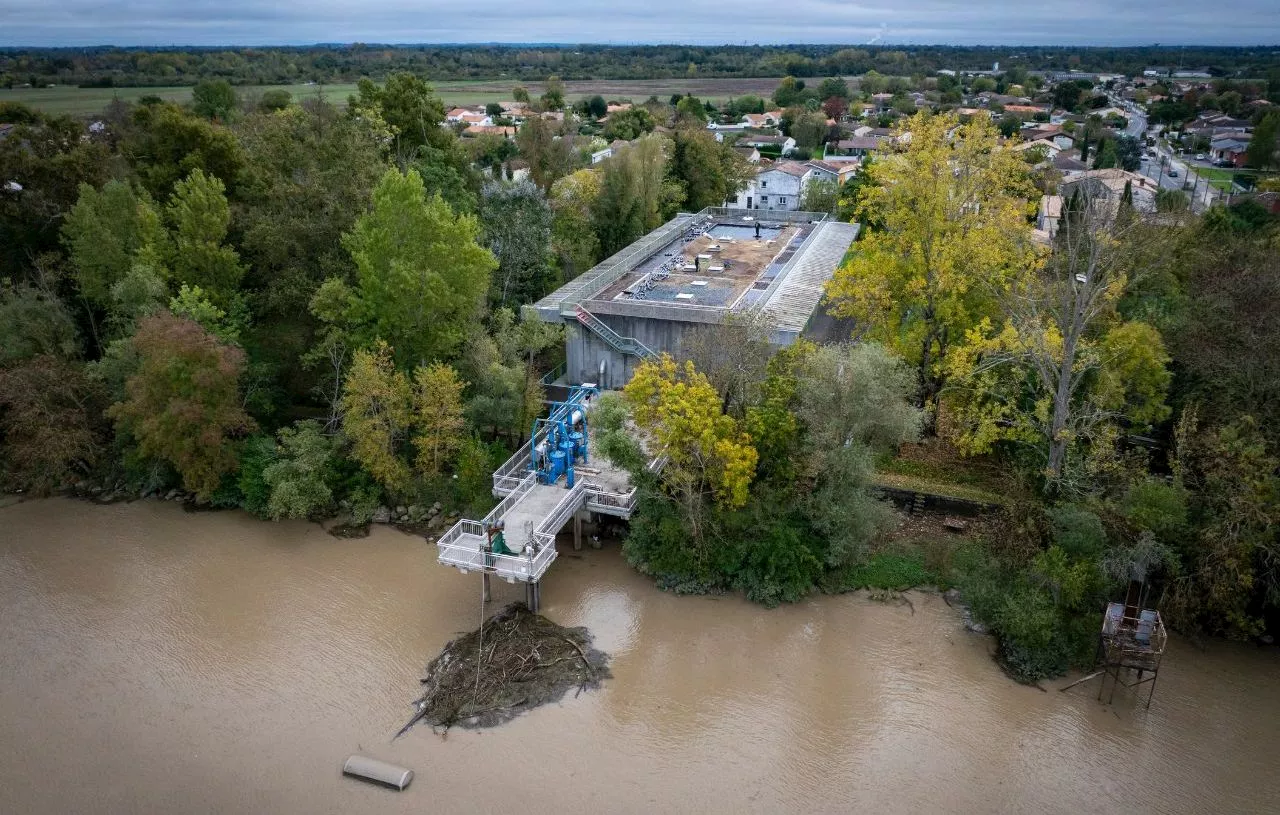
(89, 101)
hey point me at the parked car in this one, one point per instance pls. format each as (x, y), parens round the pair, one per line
(1224, 162)
(1201, 157)
(1173, 173)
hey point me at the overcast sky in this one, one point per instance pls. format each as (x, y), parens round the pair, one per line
(961, 22)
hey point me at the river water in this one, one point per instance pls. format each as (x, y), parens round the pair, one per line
(155, 661)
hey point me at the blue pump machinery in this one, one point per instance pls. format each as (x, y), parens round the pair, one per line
(560, 440)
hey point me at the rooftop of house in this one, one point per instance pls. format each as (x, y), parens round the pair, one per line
(698, 267)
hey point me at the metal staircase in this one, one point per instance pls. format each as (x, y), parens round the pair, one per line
(625, 345)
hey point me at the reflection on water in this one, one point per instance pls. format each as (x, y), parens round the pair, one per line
(153, 660)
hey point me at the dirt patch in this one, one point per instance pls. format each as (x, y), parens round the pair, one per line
(524, 661)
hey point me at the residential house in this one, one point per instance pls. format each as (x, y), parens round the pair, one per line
(468, 117)
(751, 154)
(1108, 185)
(490, 129)
(1229, 148)
(857, 147)
(785, 143)
(780, 186)
(1050, 147)
(770, 118)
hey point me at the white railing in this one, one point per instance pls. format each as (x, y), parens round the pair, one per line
(520, 491)
(462, 527)
(513, 471)
(529, 565)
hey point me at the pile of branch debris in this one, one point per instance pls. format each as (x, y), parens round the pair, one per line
(515, 661)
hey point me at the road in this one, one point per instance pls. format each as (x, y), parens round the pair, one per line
(1159, 165)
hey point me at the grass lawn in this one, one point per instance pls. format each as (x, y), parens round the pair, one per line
(1217, 177)
(73, 101)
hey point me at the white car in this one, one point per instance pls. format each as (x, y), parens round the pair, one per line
(1201, 157)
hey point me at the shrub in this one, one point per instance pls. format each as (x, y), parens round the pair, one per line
(256, 454)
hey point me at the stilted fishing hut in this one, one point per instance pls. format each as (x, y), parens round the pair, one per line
(1131, 644)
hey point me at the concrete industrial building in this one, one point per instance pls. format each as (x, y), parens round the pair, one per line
(691, 272)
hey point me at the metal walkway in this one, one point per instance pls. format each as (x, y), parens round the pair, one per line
(532, 514)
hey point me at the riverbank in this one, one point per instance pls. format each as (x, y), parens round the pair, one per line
(208, 662)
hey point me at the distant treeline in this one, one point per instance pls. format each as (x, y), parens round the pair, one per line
(133, 67)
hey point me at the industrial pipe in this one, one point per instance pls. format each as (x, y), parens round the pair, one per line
(378, 772)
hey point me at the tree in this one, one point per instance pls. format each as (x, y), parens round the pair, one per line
(553, 96)
(708, 457)
(377, 411)
(1128, 152)
(274, 100)
(517, 229)
(711, 172)
(820, 195)
(308, 174)
(1106, 157)
(199, 215)
(573, 238)
(437, 405)
(32, 324)
(835, 107)
(213, 98)
(954, 234)
(809, 130)
(689, 111)
(629, 124)
(48, 432)
(788, 92)
(1264, 148)
(103, 234)
(1063, 370)
(183, 404)
(732, 355)
(409, 110)
(547, 148)
(165, 143)
(597, 107)
(1067, 95)
(1010, 125)
(635, 193)
(520, 94)
(301, 476)
(833, 88)
(421, 275)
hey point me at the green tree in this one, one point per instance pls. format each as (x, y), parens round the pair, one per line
(573, 238)
(104, 233)
(517, 229)
(377, 411)
(301, 477)
(183, 404)
(213, 98)
(820, 195)
(198, 214)
(833, 87)
(690, 111)
(548, 149)
(597, 107)
(165, 143)
(32, 324)
(709, 171)
(408, 108)
(809, 130)
(1264, 148)
(421, 275)
(274, 100)
(553, 96)
(629, 124)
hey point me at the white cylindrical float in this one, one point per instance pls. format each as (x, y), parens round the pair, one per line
(379, 772)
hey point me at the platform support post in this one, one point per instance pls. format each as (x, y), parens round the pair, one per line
(487, 593)
(533, 595)
(577, 531)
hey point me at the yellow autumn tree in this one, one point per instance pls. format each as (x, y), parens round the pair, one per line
(377, 410)
(945, 214)
(708, 455)
(1064, 368)
(437, 407)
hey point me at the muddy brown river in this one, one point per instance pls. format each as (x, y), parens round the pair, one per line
(158, 661)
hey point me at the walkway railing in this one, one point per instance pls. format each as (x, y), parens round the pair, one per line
(545, 534)
(625, 345)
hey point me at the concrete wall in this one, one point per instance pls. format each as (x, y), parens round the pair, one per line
(585, 349)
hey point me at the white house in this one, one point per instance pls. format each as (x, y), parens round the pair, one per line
(781, 185)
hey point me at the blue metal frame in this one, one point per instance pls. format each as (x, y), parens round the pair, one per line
(558, 443)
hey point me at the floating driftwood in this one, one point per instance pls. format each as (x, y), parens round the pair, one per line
(515, 661)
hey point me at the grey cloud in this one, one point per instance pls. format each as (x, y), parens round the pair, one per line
(964, 22)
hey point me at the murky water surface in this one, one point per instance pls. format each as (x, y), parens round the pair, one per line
(153, 660)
